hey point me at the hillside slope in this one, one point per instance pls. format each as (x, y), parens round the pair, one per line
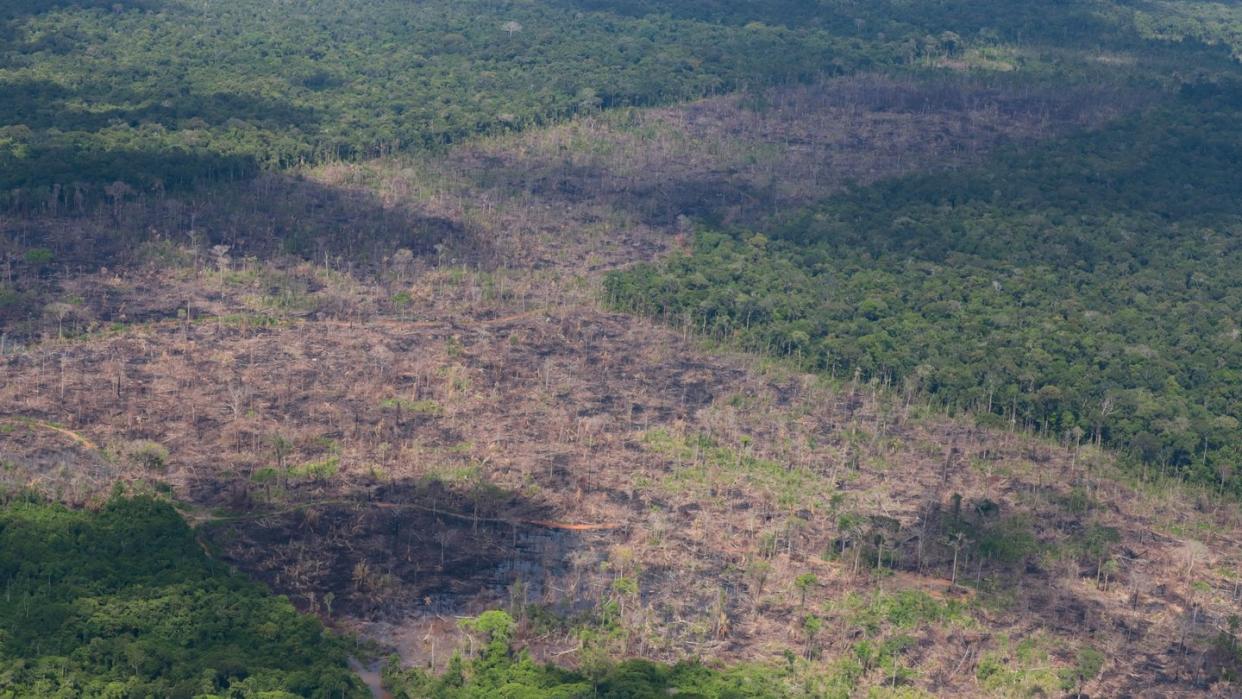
(394, 439)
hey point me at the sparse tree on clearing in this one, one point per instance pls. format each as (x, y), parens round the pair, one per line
(804, 583)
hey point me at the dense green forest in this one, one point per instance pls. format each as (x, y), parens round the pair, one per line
(103, 100)
(1087, 288)
(123, 602)
(159, 95)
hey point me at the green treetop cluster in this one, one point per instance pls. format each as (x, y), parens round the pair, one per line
(123, 602)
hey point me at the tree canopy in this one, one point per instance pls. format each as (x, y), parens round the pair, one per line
(123, 602)
(1087, 288)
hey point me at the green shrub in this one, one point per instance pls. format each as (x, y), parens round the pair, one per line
(321, 470)
(146, 454)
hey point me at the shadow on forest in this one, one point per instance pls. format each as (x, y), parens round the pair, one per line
(774, 12)
(13, 12)
(1008, 19)
(269, 215)
(58, 141)
(272, 215)
(18, 9)
(403, 547)
(72, 143)
(43, 104)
